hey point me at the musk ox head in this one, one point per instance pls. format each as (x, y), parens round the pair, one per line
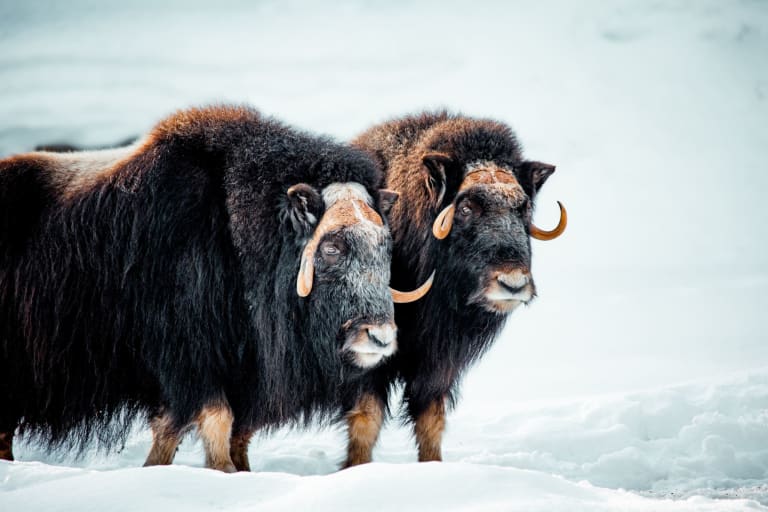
(486, 222)
(344, 272)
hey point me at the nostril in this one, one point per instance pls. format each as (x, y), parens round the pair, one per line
(376, 340)
(381, 336)
(514, 282)
(512, 289)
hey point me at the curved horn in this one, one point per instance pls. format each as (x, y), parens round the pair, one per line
(306, 275)
(540, 234)
(405, 297)
(443, 223)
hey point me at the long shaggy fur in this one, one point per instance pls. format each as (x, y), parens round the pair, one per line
(444, 333)
(167, 278)
(426, 158)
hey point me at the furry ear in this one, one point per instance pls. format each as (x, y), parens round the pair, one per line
(436, 178)
(303, 209)
(387, 198)
(533, 175)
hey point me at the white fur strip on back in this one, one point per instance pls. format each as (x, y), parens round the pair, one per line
(80, 169)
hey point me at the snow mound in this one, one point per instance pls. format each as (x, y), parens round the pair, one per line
(687, 444)
(675, 441)
(418, 487)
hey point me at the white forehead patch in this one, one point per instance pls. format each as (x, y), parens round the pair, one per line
(354, 193)
(345, 192)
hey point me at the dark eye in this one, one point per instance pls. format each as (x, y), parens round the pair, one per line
(467, 208)
(330, 252)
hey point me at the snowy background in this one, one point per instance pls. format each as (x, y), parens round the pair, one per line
(639, 378)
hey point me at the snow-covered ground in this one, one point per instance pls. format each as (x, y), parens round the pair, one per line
(697, 439)
(644, 363)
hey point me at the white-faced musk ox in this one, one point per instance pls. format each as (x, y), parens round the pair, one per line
(223, 266)
(464, 217)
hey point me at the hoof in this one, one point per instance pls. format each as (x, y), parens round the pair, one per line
(225, 468)
(351, 463)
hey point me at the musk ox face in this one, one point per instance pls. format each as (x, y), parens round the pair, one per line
(344, 271)
(491, 219)
(352, 275)
(490, 237)
(490, 224)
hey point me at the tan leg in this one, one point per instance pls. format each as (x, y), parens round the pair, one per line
(214, 425)
(363, 427)
(429, 429)
(165, 441)
(239, 449)
(6, 445)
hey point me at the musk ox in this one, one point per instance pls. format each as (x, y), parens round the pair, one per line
(465, 208)
(464, 217)
(224, 265)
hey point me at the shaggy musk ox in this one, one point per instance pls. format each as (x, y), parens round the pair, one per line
(464, 217)
(223, 266)
(466, 200)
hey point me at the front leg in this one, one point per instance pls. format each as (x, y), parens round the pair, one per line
(166, 437)
(214, 424)
(429, 425)
(364, 422)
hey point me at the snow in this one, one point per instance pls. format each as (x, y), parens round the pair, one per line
(643, 365)
(692, 442)
(413, 487)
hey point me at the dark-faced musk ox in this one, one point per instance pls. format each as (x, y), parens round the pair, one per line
(464, 217)
(223, 266)
(465, 212)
